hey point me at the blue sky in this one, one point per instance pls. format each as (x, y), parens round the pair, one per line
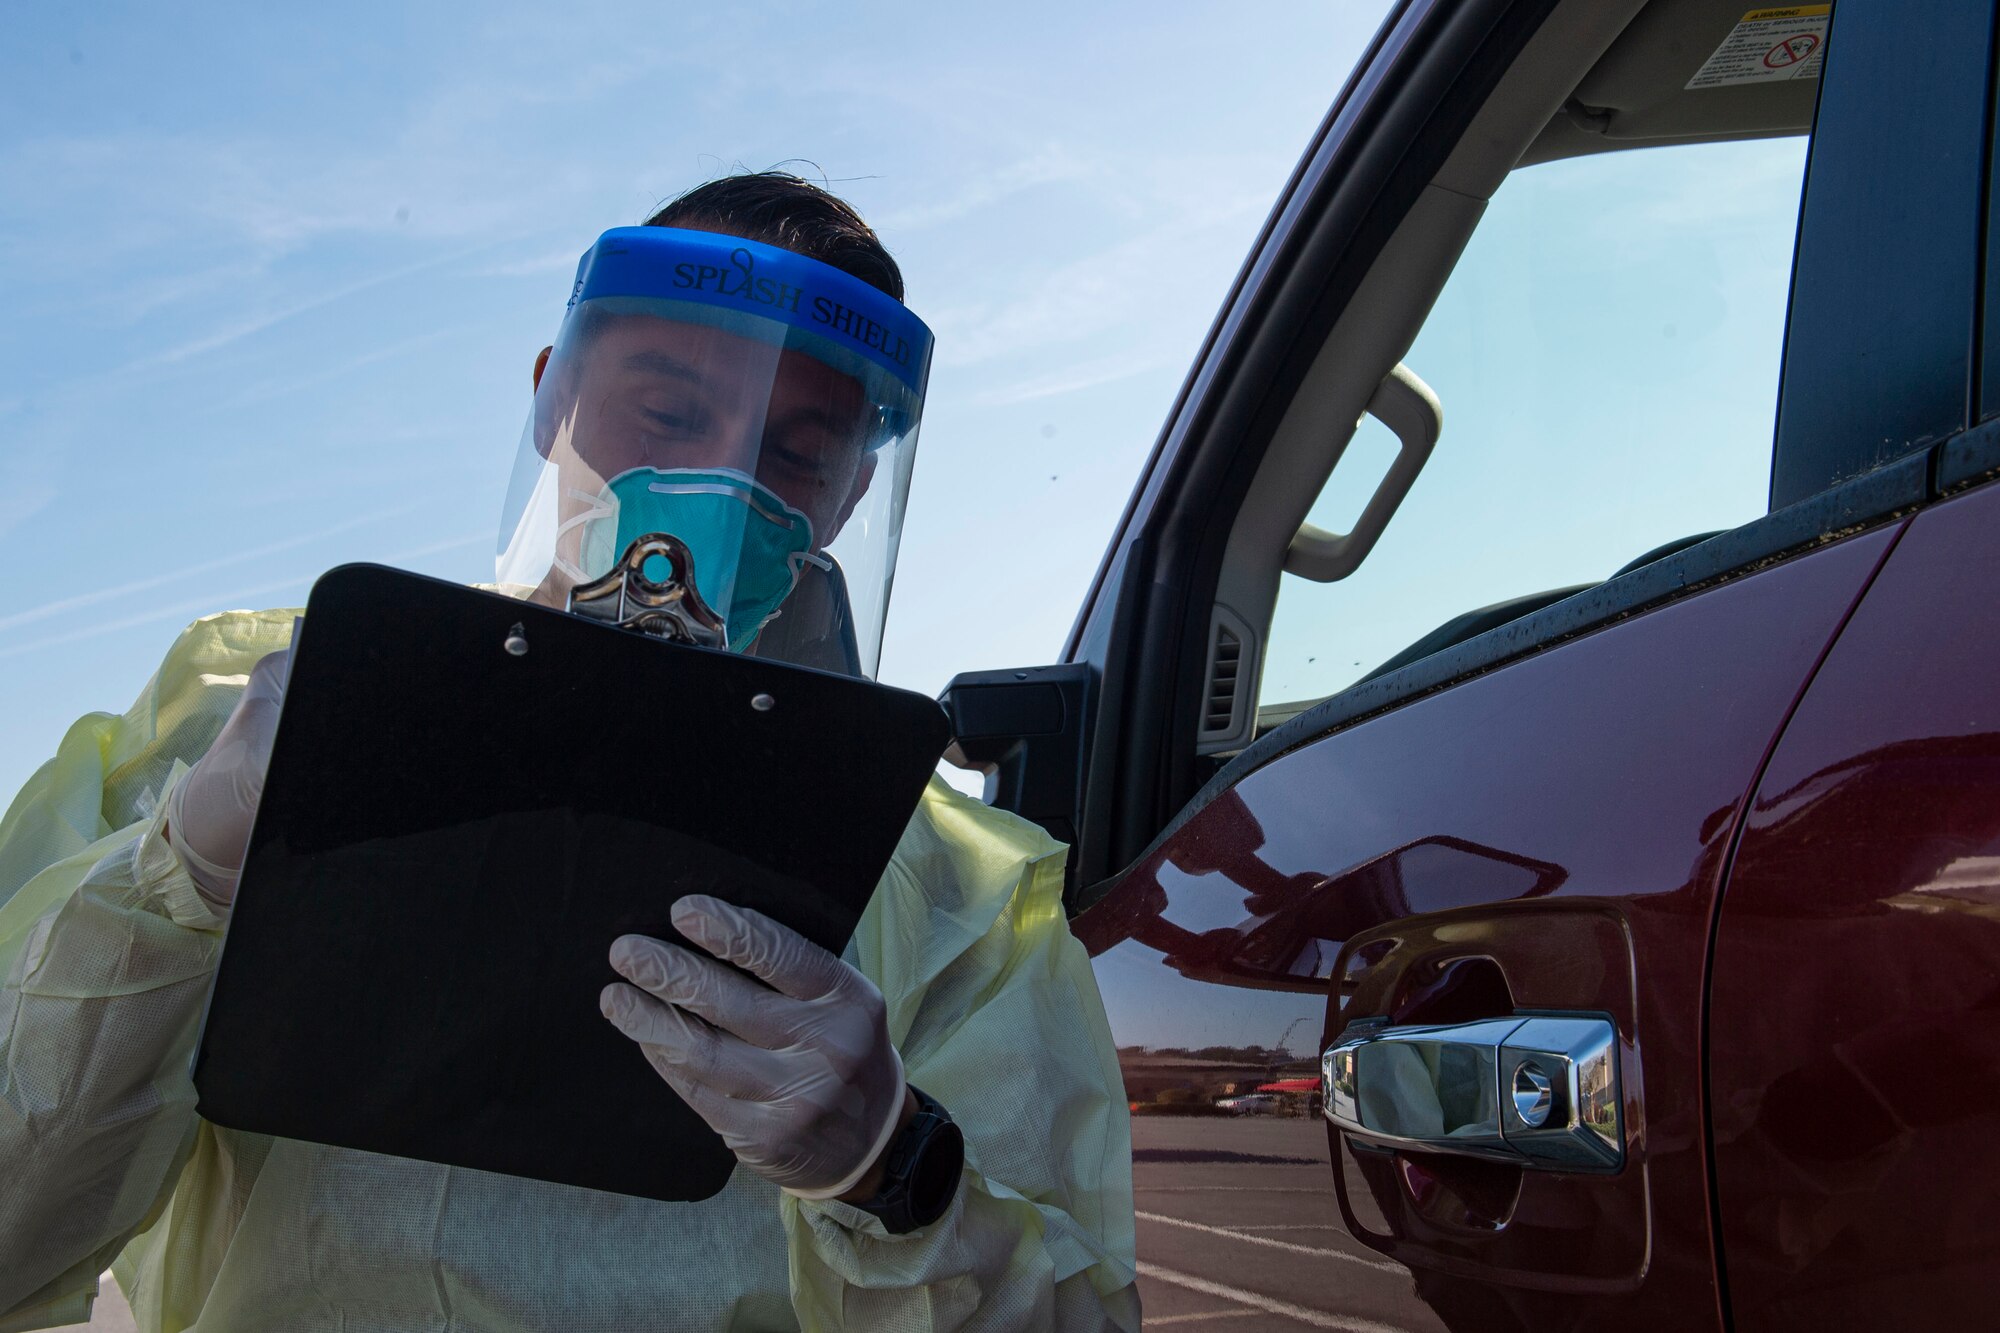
(275, 278)
(275, 283)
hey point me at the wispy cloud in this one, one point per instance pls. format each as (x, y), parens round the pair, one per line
(553, 261)
(27, 486)
(439, 547)
(78, 601)
(270, 389)
(1046, 167)
(153, 615)
(258, 323)
(1070, 379)
(208, 605)
(1136, 288)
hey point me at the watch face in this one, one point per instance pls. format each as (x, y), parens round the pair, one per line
(934, 1176)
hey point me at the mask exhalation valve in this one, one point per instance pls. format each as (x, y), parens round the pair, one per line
(631, 599)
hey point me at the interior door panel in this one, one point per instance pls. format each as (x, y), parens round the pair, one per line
(1855, 1010)
(1548, 836)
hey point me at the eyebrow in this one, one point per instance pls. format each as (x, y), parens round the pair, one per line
(667, 367)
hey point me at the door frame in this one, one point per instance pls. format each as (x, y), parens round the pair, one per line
(1141, 629)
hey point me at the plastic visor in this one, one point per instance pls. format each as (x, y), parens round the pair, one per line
(766, 401)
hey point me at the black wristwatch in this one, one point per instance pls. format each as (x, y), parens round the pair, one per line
(920, 1179)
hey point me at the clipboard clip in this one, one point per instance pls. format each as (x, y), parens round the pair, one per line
(672, 609)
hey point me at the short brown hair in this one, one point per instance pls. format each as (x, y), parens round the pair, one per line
(792, 213)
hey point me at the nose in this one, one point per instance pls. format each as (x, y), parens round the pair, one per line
(730, 444)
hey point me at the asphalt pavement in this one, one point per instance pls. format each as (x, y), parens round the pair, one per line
(1239, 1230)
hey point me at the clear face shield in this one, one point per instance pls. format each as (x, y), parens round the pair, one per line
(720, 450)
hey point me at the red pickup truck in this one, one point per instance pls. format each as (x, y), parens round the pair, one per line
(1621, 951)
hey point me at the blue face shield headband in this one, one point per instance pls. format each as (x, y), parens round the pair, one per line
(758, 406)
(767, 293)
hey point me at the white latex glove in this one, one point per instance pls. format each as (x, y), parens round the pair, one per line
(210, 812)
(801, 1081)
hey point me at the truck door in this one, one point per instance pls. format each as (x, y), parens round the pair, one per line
(1402, 758)
(1854, 1022)
(1539, 845)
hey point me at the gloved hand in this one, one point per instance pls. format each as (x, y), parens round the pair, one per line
(210, 812)
(801, 1081)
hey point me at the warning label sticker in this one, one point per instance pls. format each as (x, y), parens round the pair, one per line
(1767, 44)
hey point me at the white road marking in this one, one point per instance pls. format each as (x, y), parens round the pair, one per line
(1303, 1314)
(1227, 1189)
(1291, 1226)
(1200, 1316)
(1266, 1241)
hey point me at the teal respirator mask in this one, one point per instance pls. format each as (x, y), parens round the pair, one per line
(719, 450)
(745, 545)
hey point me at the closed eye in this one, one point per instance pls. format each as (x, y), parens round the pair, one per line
(678, 420)
(810, 439)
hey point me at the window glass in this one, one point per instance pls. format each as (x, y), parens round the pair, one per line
(1607, 355)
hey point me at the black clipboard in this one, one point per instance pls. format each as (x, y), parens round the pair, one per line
(454, 829)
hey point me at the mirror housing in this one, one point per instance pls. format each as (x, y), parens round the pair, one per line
(1025, 729)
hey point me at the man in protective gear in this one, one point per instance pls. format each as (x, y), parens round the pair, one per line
(740, 374)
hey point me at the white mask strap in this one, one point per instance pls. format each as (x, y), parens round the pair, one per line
(594, 508)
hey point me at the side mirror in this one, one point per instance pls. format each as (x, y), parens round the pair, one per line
(1025, 729)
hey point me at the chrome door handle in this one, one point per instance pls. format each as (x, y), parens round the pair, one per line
(1540, 1092)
